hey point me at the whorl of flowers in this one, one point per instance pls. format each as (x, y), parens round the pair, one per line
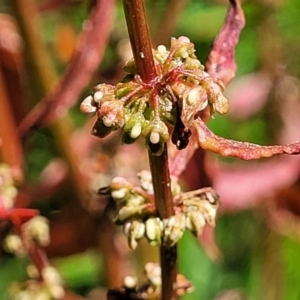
(169, 103)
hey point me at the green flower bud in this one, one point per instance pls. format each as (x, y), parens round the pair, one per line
(167, 111)
(135, 199)
(184, 47)
(130, 67)
(193, 64)
(122, 89)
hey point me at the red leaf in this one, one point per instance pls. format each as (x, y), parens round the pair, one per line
(90, 49)
(221, 61)
(243, 150)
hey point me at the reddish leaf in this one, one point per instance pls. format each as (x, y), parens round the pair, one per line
(221, 61)
(251, 189)
(22, 215)
(90, 49)
(243, 150)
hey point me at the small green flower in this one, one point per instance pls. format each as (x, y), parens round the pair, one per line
(133, 128)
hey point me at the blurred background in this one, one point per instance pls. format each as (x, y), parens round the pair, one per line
(53, 52)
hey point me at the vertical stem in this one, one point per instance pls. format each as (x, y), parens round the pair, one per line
(164, 203)
(139, 38)
(142, 52)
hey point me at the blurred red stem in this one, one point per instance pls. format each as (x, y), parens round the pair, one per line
(10, 151)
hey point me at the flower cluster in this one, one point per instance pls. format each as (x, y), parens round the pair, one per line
(137, 213)
(51, 288)
(8, 191)
(30, 233)
(150, 288)
(180, 91)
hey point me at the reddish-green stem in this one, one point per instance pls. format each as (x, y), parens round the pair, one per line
(142, 52)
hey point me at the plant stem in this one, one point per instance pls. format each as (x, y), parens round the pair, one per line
(164, 204)
(139, 38)
(142, 52)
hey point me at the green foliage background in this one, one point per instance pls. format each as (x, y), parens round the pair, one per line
(256, 261)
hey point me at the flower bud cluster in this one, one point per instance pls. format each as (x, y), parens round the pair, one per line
(36, 230)
(136, 210)
(51, 288)
(150, 288)
(8, 191)
(137, 214)
(193, 210)
(181, 89)
(200, 208)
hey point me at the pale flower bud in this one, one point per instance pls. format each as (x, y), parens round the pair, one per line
(127, 212)
(120, 187)
(154, 137)
(53, 282)
(195, 222)
(134, 230)
(162, 49)
(153, 232)
(14, 244)
(145, 178)
(87, 106)
(136, 130)
(130, 282)
(174, 228)
(153, 273)
(37, 229)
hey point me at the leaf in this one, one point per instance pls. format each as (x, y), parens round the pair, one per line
(86, 59)
(243, 150)
(221, 62)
